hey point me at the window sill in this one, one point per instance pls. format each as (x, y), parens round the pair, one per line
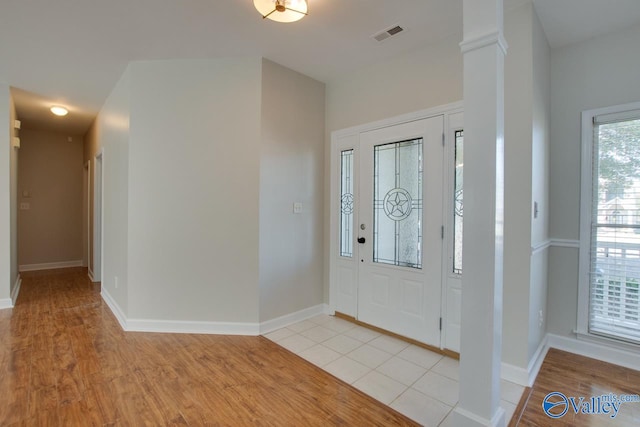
(608, 342)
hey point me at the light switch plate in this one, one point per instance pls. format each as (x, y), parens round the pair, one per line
(297, 207)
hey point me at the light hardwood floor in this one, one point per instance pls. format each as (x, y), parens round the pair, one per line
(578, 376)
(64, 360)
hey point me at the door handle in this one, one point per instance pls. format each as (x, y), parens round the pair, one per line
(361, 240)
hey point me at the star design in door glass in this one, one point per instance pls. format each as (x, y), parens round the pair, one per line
(347, 203)
(397, 204)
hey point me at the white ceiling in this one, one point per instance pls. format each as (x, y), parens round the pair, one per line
(72, 52)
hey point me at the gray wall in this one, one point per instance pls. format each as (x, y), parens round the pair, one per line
(410, 82)
(13, 200)
(194, 190)
(433, 76)
(5, 196)
(291, 170)
(203, 160)
(50, 231)
(595, 73)
(538, 283)
(517, 183)
(526, 166)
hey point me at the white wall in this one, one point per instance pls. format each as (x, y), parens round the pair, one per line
(291, 170)
(110, 132)
(193, 195)
(5, 195)
(595, 73)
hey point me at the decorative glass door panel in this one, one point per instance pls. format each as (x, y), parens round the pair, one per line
(346, 203)
(398, 228)
(458, 186)
(397, 204)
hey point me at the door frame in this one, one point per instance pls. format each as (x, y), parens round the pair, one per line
(452, 282)
(86, 210)
(340, 140)
(98, 216)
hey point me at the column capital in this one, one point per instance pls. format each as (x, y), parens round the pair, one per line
(482, 40)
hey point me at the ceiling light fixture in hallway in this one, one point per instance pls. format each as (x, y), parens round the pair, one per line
(59, 110)
(282, 10)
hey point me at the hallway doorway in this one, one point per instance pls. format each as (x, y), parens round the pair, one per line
(97, 218)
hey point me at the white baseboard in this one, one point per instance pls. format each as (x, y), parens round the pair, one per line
(115, 308)
(617, 356)
(215, 328)
(461, 417)
(177, 326)
(50, 265)
(514, 374)
(291, 318)
(526, 377)
(328, 311)
(5, 303)
(193, 327)
(536, 361)
(90, 273)
(16, 290)
(628, 359)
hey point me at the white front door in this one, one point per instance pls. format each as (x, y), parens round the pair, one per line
(399, 229)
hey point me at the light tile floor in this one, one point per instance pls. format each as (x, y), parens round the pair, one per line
(421, 384)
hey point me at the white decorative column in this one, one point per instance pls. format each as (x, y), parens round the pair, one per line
(484, 49)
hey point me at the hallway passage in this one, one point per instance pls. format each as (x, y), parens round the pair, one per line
(64, 360)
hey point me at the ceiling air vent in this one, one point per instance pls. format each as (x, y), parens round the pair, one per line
(385, 34)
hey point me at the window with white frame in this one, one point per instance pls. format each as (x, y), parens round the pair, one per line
(610, 228)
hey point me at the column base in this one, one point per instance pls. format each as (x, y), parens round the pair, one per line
(460, 417)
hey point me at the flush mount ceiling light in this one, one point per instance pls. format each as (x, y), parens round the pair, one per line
(59, 111)
(282, 10)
